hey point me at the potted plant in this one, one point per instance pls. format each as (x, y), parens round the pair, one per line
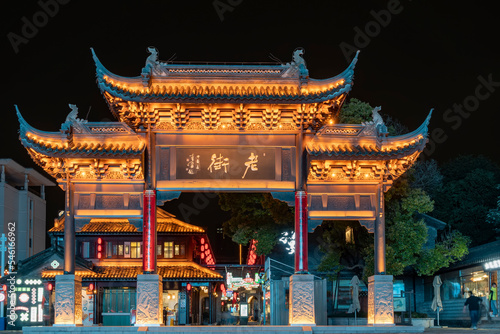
(421, 319)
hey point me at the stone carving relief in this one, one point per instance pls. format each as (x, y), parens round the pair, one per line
(302, 307)
(149, 301)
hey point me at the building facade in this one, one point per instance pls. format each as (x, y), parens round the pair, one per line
(108, 259)
(247, 127)
(23, 207)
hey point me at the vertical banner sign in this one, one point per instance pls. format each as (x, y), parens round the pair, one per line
(149, 232)
(301, 232)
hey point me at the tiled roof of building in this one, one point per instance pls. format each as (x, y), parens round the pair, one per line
(224, 83)
(365, 142)
(184, 270)
(165, 223)
(82, 139)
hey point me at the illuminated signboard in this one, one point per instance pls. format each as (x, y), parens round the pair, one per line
(30, 297)
(492, 264)
(242, 163)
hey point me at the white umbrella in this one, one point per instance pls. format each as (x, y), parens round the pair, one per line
(355, 306)
(437, 304)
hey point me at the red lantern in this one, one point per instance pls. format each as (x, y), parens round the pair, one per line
(50, 287)
(91, 287)
(188, 287)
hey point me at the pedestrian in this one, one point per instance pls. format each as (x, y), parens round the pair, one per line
(492, 297)
(474, 305)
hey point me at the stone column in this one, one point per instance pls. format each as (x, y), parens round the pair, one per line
(69, 230)
(68, 301)
(149, 300)
(149, 284)
(380, 266)
(301, 312)
(149, 232)
(380, 300)
(302, 300)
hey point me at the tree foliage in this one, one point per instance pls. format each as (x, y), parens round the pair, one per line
(468, 193)
(355, 112)
(339, 252)
(493, 217)
(406, 233)
(255, 216)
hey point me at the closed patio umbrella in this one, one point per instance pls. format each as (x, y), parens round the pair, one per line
(355, 306)
(437, 304)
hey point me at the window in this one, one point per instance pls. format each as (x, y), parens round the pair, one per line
(85, 249)
(126, 249)
(349, 235)
(120, 250)
(109, 249)
(158, 249)
(135, 249)
(168, 249)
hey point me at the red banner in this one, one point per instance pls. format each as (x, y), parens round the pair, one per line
(149, 232)
(301, 232)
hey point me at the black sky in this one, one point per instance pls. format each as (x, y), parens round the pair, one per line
(430, 55)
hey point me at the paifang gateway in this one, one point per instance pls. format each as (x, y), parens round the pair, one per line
(227, 127)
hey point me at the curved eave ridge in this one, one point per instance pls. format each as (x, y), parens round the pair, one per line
(366, 151)
(56, 143)
(85, 149)
(27, 131)
(102, 72)
(345, 77)
(388, 147)
(417, 134)
(196, 94)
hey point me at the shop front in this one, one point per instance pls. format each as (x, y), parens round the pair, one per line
(473, 275)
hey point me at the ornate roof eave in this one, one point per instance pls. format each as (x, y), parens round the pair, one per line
(361, 146)
(69, 144)
(254, 98)
(296, 90)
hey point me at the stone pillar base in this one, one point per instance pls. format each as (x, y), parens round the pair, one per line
(380, 300)
(302, 300)
(68, 301)
(149, 300)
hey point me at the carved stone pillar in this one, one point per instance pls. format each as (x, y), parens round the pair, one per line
(68, 301)
(380, 300)
(149, 300)
(302, 300)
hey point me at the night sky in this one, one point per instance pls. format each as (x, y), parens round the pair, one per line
(415, 55)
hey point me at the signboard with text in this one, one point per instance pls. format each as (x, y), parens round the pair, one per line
(232, 163)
